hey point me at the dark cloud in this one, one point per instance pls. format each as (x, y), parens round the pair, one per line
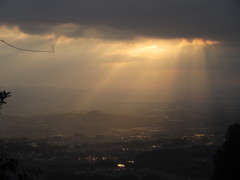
(121, 19)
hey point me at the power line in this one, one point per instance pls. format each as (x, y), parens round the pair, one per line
(29, 50)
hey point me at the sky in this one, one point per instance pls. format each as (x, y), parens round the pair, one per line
(118, 51)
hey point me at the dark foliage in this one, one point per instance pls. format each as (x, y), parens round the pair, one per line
(227, 159)
(4, 95)
(7, 165)
(192, 162)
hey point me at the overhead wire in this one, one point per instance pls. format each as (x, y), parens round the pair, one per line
(29, 50)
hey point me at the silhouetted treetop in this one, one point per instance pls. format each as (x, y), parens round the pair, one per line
(227, 159)
(4, 95)
(232, 137)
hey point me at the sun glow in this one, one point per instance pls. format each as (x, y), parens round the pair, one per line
(149, 48)
(142, 47)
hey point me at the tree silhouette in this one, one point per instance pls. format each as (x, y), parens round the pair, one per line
(7, 165)
(227, 159)
(4, 95)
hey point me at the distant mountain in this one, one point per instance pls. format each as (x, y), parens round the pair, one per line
(49, 100)
(68, 124)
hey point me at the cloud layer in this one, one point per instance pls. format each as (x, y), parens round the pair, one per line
(122, 19)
